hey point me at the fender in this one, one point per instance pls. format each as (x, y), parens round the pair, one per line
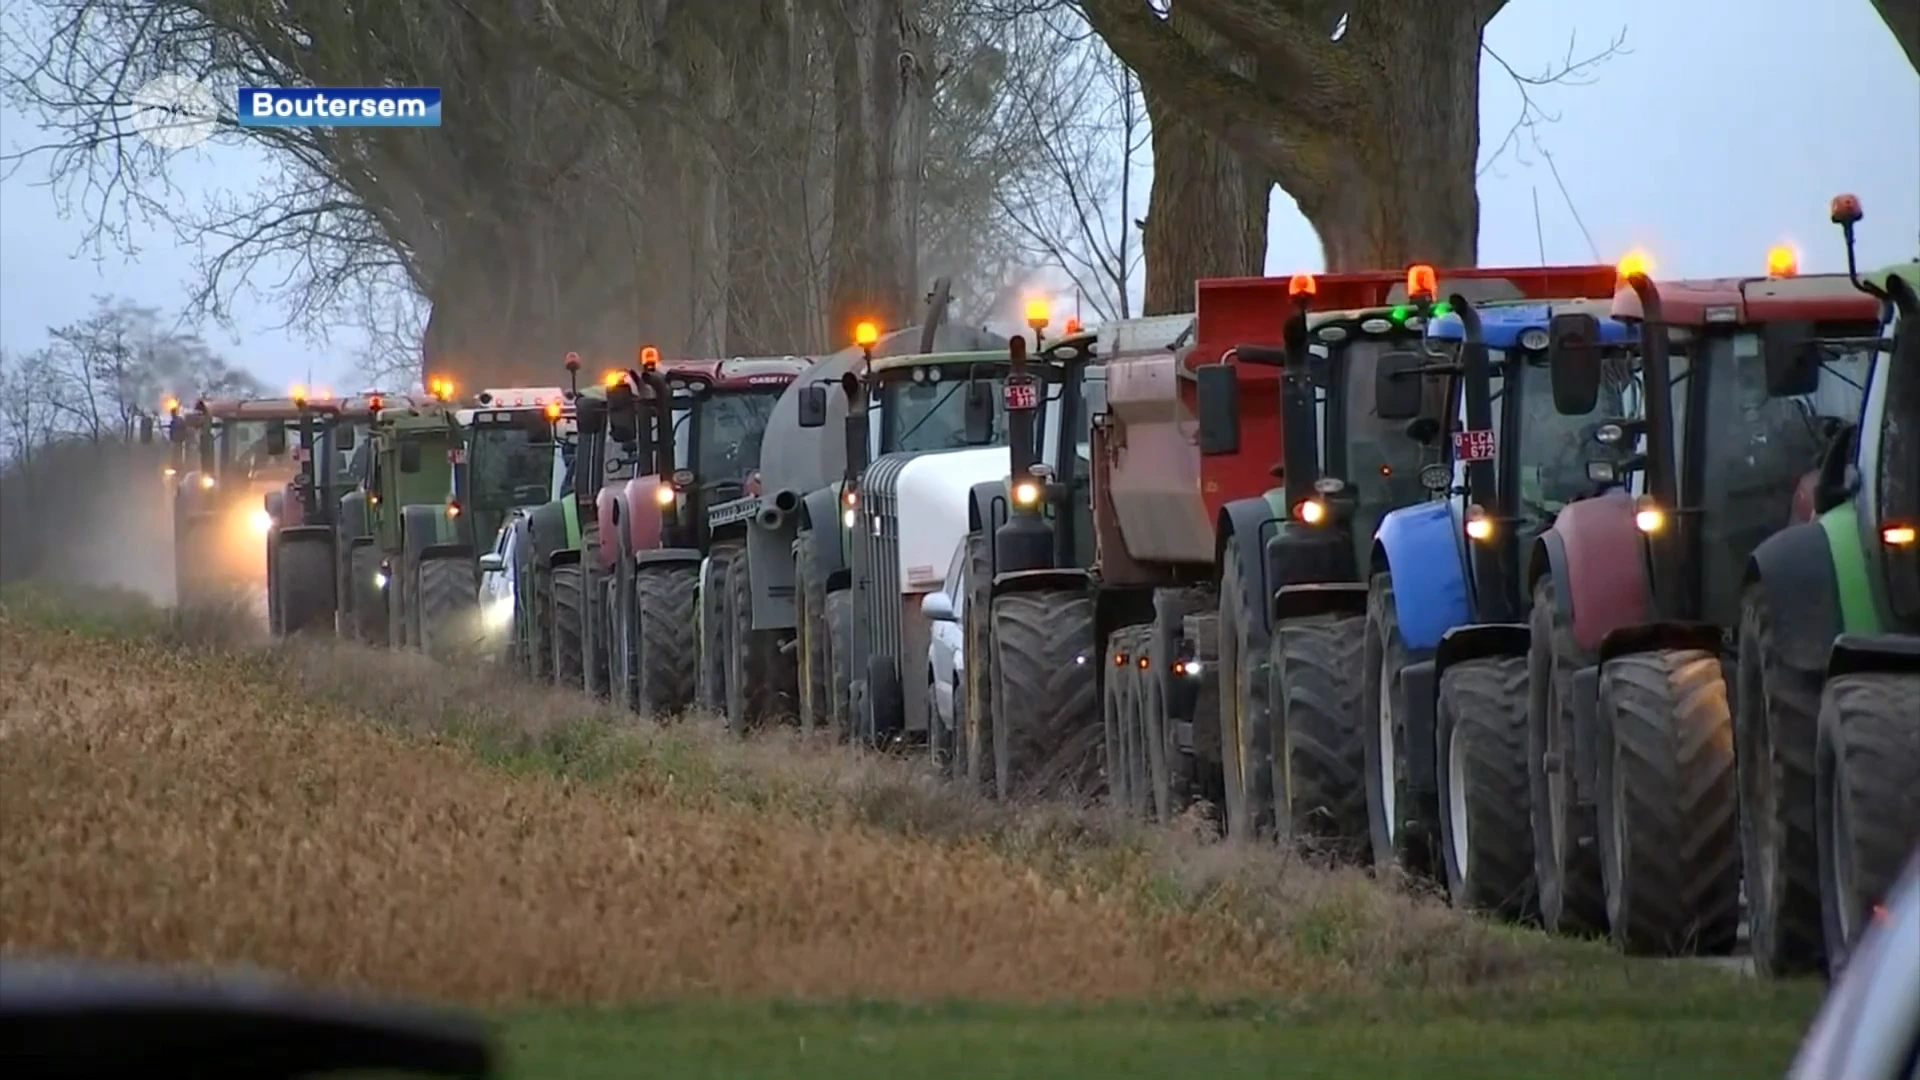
(303, 534)
(986, 510)
(1479, 641)
(563, 557)
(420, 525)
(1600, 568)
(1246, 524)
(360, 542)
(458, 550)
(1795, 567)
(1859, 600)
(668, 557)
(1420, 547)
(1309, 555)
(1046, 578)
(1860, 654)
(822, 508)
(643, 529)
(1661, 637)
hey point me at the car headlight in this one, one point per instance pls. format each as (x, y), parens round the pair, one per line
(498, 613)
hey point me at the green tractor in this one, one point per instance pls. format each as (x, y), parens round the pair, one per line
(427, 564)
(307, 567)
(1827, 730)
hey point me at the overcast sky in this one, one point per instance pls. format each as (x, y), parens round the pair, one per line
(1725, 129)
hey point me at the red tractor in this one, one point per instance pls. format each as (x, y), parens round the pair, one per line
(1636, 608)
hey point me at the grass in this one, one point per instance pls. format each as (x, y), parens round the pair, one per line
(632, 898)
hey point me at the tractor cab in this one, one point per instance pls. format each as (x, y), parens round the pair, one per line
(509, 441)
(720, 414)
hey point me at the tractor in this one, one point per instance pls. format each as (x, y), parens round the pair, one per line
(798, 558)
(1826, 729)
(307, 568)
(509, 441)
(239, 454)
(668, 618)
(1512, 462)
(1636, 595)
(427, 565)
(1027, 611)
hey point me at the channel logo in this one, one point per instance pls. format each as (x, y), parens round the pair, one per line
(338, 106)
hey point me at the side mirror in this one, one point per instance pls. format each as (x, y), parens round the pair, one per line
(1217, 397)
(979, 415)
(492, 562)
(1424, 430)
(1792, 358)
(937, 607)
(813, 405)
(276, 437)
(591, 419)
(1397, 386)
(623, 425)
(409, 456)
(1573, 357)
(176, 431)
(345, 437)
(146, 430)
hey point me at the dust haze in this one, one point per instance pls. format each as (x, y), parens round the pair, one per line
(89, 513)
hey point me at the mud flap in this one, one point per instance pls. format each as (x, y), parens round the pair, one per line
(1418, 695)
(1897, 654)
(1585, 766)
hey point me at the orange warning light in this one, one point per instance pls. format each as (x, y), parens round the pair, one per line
(1845, 209)
(553, 410)
(612, 378)
(1039, 313)
(1422, 282)
(866, 334)
(374, 402)
(171, 405)
(1302, 285)
(649, 357)
(1782, 262)
(1635, 262)
(1073, 326)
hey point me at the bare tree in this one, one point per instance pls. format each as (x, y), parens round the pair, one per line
(29, 418)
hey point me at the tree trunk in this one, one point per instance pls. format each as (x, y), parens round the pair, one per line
(766, 162)
(1207, 211)
(1903, 18)
(1402, 189)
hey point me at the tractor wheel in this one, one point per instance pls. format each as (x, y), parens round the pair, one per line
(274, 628)
(759, 675)
(1867, 794)
(711, 690)
(540, 626)
(1246, 738)
(840, 661)
(1318, 756)
(1403, 825)
(1141, 696)
(1046, 718)
(1669, 842)
(1566, 851)
(623, 640)
(810, 622)
(976, 645)
(1481, 736)
(596, 649)
(1116, 705)
(565, 621)
(446, 600)
(663, 615)
(1777, 711)
(303, 587)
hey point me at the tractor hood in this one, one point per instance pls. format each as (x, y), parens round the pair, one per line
(930, 493)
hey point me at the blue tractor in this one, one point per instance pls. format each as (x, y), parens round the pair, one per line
(1449, 751)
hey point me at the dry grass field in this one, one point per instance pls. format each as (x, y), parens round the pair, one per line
(633, 899)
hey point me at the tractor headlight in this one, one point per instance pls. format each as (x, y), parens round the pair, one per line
(498, 614)
(1649, 518)
(1026, 493)
(262, 521)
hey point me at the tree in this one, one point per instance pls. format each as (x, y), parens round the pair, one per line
(1903, 18)
(1366, 112)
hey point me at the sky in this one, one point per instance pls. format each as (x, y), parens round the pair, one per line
(1723, 129)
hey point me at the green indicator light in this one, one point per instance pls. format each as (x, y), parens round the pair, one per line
(1442, 308)
(1400, 313)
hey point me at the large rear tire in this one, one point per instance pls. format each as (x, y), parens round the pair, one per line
(1116, 720)
(565, 623)
(810, 622)
(1481, 738)
(840, 662)
(1867, 791)
(666, 656)
(369, 600)
(1319, 759)
(711, 690)
(1566, 847)
(1246, 738)
(447, 598)
(1403, 824)
(1777, 712)
(303, 586)
(977, 722)
(1046, 717)
(1669, 842)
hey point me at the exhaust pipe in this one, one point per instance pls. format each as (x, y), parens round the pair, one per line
(771, 518)
(775, 511)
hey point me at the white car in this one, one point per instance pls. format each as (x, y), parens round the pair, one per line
(1869, 1029)
(496, 583)
(946, 652)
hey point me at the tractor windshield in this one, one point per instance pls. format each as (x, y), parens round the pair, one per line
(1380, 460)
(1757, 447)
(932, 414)
(728, 427)
(507, 468)
(1555, 448)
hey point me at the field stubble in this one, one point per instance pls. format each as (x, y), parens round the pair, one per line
(175, 791)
